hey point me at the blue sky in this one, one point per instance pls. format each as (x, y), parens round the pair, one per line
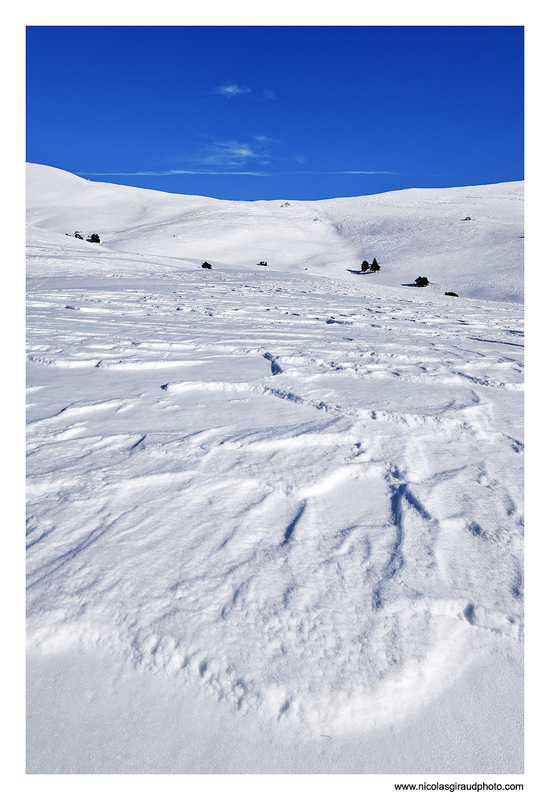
(278, 112)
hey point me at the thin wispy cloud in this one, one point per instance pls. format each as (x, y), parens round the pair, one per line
(231, 89)
(232, 153)
(167, 172)
(228, 171)
(344, 172)
(217, 157)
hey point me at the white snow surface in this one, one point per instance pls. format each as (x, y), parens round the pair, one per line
(274, 515)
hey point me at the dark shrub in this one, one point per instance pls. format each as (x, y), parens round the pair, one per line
(78, 236)
(451, 294)
(206, 265)
(422, 281)
(262, 264)
(95, 238)
(375, 266)
(365, 266)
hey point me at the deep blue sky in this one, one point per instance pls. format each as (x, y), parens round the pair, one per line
(278, 112)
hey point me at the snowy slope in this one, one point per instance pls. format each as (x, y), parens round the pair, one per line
(410, 233)
(278, 504)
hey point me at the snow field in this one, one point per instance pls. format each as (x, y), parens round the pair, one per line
(297, 495)
(412, 232)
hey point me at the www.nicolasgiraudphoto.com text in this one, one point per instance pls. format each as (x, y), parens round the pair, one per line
(458, 787)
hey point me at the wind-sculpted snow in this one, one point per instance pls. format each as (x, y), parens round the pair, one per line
(316, 523)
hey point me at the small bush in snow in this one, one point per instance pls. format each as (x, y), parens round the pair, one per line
(77, 235)
(206, 265)
(95, 238)
(375, 266)
(451, 294)
(365, 266)
(422, 281)
(262, 264)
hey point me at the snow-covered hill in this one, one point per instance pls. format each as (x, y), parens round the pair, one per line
(274, 515)
(410, 233)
